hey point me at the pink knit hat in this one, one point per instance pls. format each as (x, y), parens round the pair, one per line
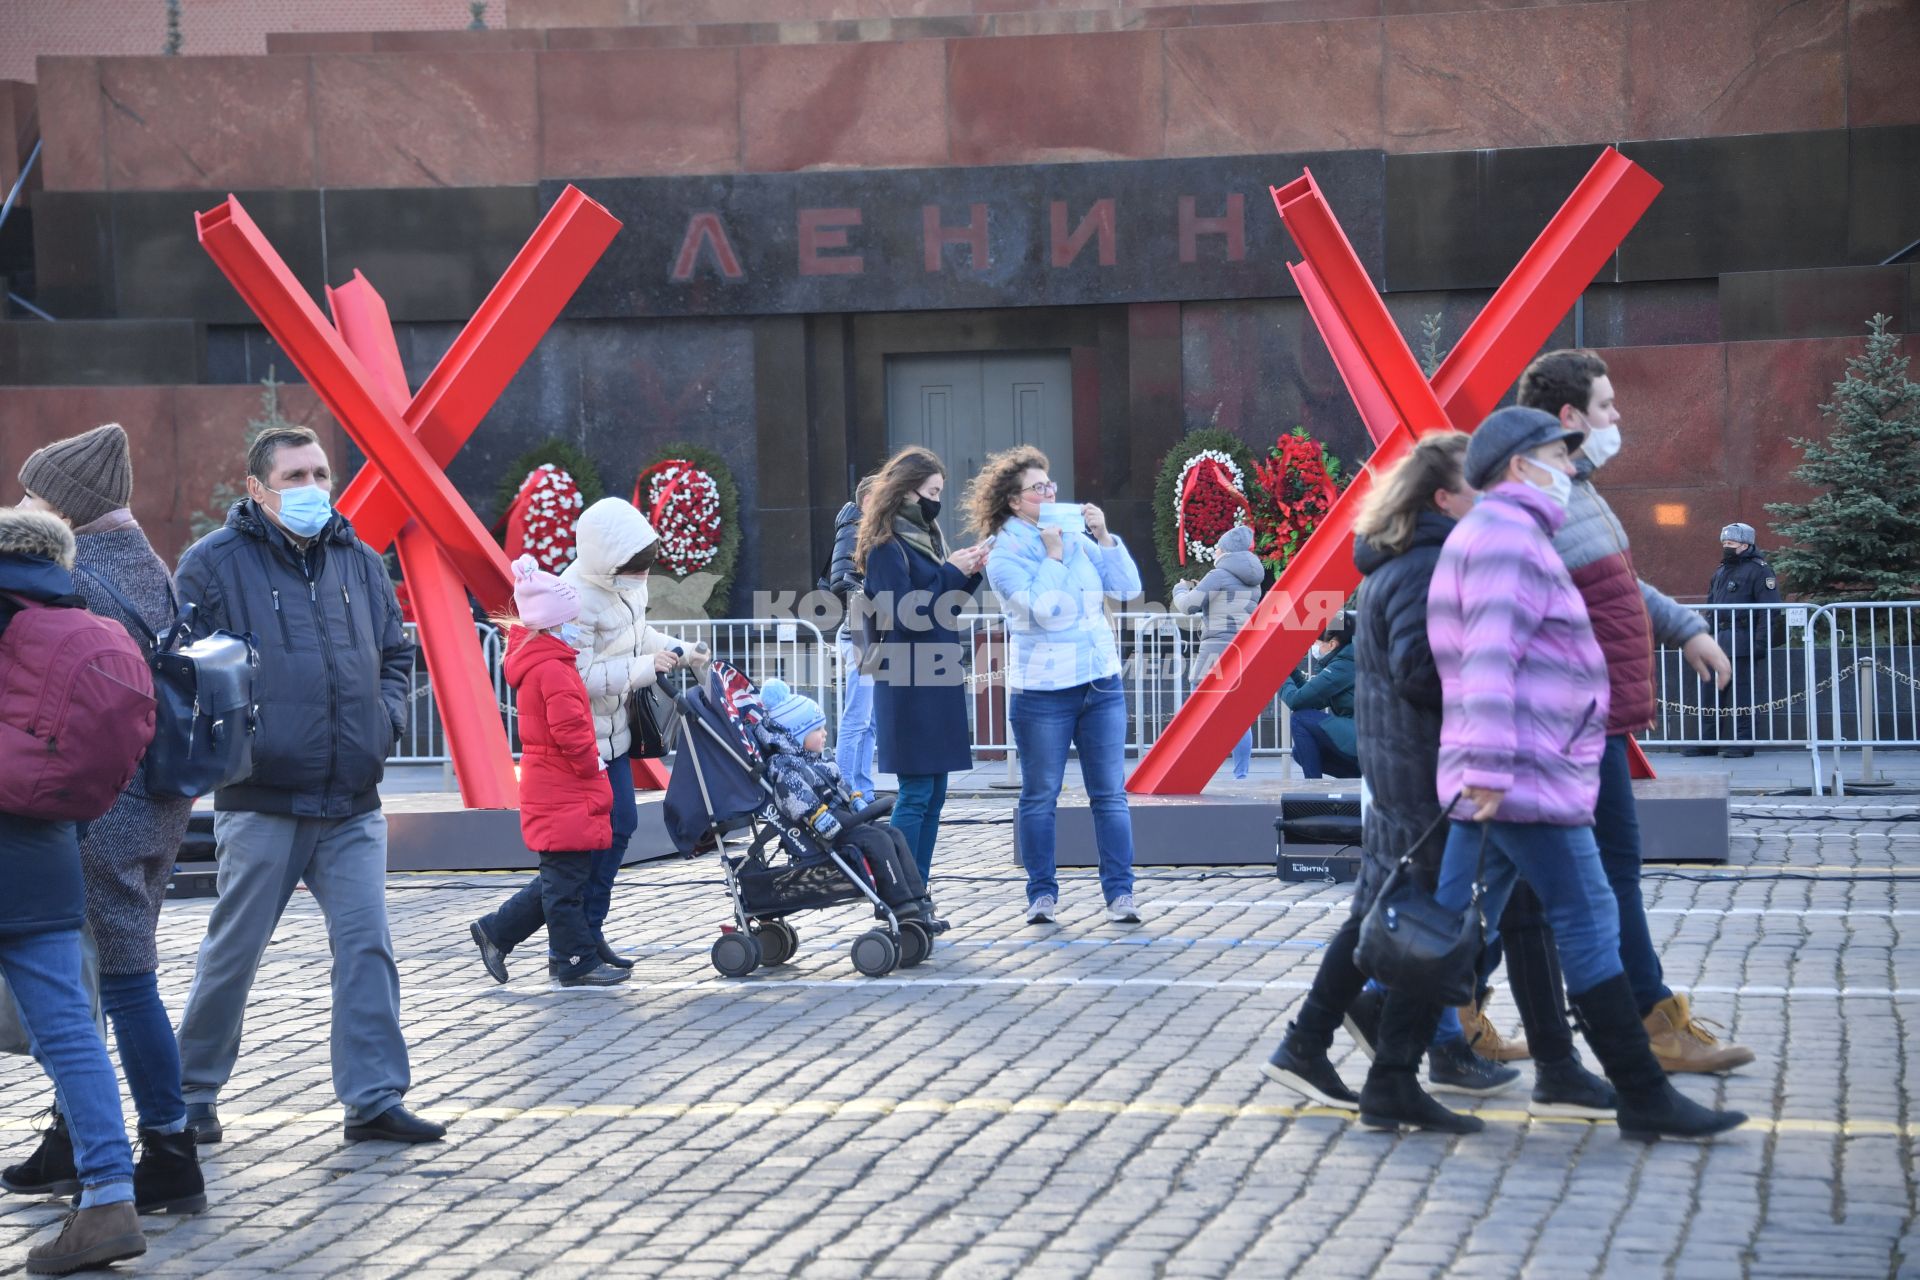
(542, 600)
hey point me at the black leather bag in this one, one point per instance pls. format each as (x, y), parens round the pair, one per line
(205, 722)
(651, 717)
(1411, 944)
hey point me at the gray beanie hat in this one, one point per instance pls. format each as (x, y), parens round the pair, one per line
(1508, 431)
(82, 477)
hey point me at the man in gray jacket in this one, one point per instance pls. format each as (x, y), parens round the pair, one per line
(332, 698)
(1628, 615)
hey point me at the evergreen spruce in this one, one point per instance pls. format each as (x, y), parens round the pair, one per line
(171, 48)
(1861, 538)
(479, 11)
(1432, 354)
(224, 495)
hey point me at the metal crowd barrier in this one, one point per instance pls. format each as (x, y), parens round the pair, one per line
(1823, 679)
(763, 648)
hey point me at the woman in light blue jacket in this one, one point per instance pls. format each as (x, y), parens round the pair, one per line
(1063, 670)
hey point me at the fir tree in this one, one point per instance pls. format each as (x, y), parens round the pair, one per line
(224, 495)
(174, 39)
(1432, 354)
(479, 11)
(1861, 538)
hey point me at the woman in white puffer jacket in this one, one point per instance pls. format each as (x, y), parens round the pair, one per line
(619, 653)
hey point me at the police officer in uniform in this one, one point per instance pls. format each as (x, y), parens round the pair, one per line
(1744, 577)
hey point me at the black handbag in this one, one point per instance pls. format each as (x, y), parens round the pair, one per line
(651, 717)
(1409, 943)
(205, 721)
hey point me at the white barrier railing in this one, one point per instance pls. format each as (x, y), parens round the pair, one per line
(1822, 679)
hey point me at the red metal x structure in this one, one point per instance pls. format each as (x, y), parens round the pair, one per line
(1397, 404)
(404, 493)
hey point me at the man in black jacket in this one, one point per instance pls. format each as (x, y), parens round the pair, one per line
(1743, 577)
(332, 697)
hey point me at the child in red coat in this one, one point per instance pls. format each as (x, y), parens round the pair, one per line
(566, 801)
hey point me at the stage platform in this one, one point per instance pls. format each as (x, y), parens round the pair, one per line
(1682, 819)
(432, 831)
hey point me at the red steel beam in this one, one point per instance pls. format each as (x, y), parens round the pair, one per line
(1549, 278)
(245, 257)
(1376, 411)
(481, 362)
(1352, 294)
(1374, 361)
(463, 690)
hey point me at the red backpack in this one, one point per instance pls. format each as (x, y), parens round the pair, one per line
(76, 712)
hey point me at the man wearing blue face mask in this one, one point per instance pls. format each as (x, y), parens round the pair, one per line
(332, 698)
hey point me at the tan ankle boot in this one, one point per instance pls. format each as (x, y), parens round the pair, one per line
(1684, 1043)
(90, 1238)
(1485, 1038)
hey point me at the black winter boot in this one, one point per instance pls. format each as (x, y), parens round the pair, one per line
(49, 1171)
(167, 1178)
(1392, 1097)
(1650, 1107)
(608, 955)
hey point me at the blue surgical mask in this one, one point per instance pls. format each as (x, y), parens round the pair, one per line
(573, 634)
(305, 510)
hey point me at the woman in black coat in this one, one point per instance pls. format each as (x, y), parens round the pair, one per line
(917, 591)
(1396, 703)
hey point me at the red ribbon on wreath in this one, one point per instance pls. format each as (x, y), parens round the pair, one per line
(1210, 467)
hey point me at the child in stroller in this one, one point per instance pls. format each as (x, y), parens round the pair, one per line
(784, 786)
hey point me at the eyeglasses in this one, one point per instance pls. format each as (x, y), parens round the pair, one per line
(1044, 486)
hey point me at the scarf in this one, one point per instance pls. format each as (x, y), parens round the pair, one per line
(118, 518)
(914, 529)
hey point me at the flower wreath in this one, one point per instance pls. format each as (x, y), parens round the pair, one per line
(1211, 489)
(1298, 483)
(681, 500)
(540, 522)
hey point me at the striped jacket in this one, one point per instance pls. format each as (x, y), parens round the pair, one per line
(1627, 614)
(1523, 682)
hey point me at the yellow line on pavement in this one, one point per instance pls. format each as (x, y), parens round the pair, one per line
(874, 1107)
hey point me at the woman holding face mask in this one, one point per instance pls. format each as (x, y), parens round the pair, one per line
(619, 653)
(918, 590)
(1055, 570)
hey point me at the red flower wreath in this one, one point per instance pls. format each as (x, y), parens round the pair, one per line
(1298, 483)
(682, 502)
(540, 522)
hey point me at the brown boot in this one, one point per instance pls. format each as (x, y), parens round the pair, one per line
(90, 1238)
(1485, 1038)
(1683, 1043)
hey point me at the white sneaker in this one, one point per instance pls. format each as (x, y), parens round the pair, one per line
(1121, 910)
(1040, 910)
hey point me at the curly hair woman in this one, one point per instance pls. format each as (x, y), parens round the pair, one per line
(1063, 671)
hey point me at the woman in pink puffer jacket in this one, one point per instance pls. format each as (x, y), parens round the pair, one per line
(1524, 693)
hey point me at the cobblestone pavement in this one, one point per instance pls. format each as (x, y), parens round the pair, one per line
(1079, 1100)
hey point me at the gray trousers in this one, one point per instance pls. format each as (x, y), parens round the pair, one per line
(344, 864)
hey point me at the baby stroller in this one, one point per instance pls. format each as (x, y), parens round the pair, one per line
(778, 868)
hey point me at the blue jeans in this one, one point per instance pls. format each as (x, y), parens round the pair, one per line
(1315, 753)
(1563, 866)
(916, 815)
(1616, 825)
(854, 755)
(598, 895)
(43, 969)
(149, 1055)
(1243, 755)
(1046, 722)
